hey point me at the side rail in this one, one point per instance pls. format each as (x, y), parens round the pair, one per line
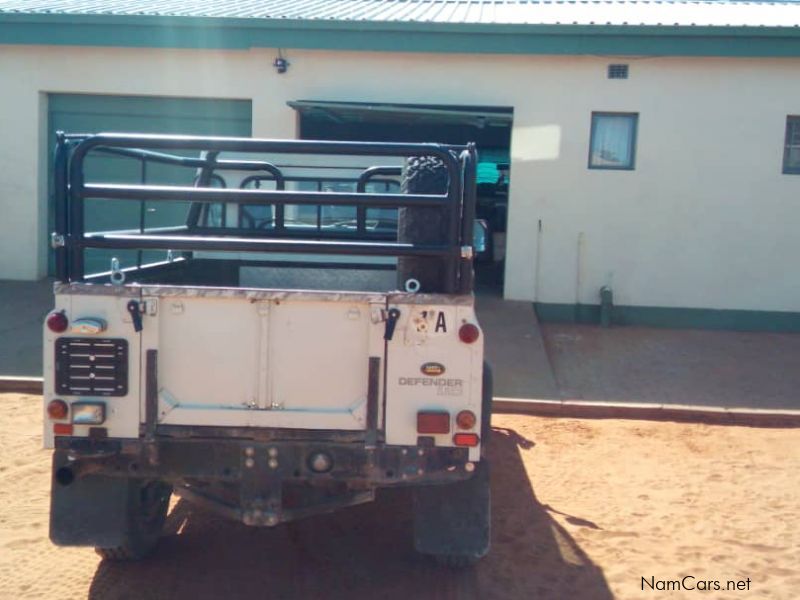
(71, 239)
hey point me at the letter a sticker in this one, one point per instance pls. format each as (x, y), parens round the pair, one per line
(440, 324)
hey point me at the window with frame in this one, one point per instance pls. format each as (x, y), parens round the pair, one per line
(791, 146)
(612, 143)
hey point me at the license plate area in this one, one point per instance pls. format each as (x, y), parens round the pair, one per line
(91, 366)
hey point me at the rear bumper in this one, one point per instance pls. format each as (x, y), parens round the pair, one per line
(227, 460)
(244, 480)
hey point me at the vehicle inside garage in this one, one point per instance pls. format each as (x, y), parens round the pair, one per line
(488, 127)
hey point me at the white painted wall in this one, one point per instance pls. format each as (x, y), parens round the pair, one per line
(706, 219)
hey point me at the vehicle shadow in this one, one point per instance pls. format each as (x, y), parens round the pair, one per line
(363, 552)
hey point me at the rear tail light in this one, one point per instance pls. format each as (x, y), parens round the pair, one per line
(433, 422)
(466, 419)
(469, 333)
(62, 428)
(466, 439)
(57, 409)
(57, 322)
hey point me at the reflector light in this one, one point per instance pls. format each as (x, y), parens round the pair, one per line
(88, 413)
(433, 422)
(466, 419)
(469, 333)
(57, 409)
(57, 322)
(466, 439)
(62, 428)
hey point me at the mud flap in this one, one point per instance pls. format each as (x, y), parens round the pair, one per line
(88, 511)
(454, 520)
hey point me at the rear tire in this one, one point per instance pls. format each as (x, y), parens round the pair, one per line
(486, 408)
(148, 502)
(456, 562)
(452, 522)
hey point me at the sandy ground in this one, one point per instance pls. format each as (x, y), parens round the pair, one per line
(582, 509)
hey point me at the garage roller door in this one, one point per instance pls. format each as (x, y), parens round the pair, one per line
(75, 113)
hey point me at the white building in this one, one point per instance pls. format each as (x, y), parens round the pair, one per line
(654, 147)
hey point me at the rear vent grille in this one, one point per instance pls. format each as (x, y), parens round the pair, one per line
(91, 367)
(617, 71)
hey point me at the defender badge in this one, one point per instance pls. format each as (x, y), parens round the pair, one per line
(433, 369)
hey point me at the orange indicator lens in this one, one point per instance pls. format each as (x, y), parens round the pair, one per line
(57, 409)
(466, 419)
(466, 439)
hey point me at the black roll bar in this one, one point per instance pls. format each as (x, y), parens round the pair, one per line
(165, 193)
(372, 172)
(72, 190)
(361, 187)
(469, 158)
(60, 173)
(253, 244)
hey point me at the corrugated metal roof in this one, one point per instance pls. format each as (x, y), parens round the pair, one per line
(475, 12)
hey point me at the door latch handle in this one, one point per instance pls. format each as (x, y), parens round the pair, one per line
(391, 323)
(136, 315)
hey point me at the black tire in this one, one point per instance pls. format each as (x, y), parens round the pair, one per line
(148, 502)
(422, 175)
(452, 523)
(456, 562)
(486, 408)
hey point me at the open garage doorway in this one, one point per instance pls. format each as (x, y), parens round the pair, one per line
(488, 127)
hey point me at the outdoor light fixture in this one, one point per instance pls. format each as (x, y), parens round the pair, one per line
(280, 63)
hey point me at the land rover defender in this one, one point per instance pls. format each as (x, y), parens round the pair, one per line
(262, 344)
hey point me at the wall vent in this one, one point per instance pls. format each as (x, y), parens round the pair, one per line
(617, 71)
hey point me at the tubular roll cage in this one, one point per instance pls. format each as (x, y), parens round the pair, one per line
(70, 239)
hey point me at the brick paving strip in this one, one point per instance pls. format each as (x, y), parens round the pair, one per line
(578, 409)
(21, 385)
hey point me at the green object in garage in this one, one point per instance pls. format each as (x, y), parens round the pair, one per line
(82, 113)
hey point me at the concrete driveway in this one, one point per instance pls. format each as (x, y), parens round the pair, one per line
(23, 305)
(636, 365)
(729, 369)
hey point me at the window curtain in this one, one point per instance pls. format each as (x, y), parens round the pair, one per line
(612, 141)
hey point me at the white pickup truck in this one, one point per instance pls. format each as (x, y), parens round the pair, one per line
(263, 364)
